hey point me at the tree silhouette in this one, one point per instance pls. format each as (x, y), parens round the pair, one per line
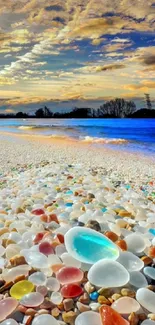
(118, 107)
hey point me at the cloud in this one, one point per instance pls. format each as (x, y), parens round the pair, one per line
(110, 67)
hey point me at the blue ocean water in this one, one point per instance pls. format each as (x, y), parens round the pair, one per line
(126, 134)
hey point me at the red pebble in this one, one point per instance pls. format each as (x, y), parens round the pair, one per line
(71, 290)
(69, 275)
(38, 237)
(53, 217)
(38, 212)
(46, 248)
(60, 238)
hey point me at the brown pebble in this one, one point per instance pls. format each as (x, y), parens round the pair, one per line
(151, 252)
(29, 320)
(84, 299)
(103, 300)
(55, 312)
(127, 292)
(133, 319)
(142, 317)
(43, 311)
(111, 235)
(81, 307)
(4, 231)
(4, 241)
(47, 304)
(6, 286)
(122, 244)
(106, 292)
(68, 304)
(151, 287)
(22, 309)
(69, 317)
(124, 213)
(30, 312)
(9, 242)
(147, 260)
(17, 260)
(116, 296)
(93, 224)
(61, 306)
(19, 278)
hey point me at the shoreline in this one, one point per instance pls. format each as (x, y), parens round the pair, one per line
(17, 149)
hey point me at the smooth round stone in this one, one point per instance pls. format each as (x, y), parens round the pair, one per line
(69, 275)
(53, 284)
(12, 250)
(33, 299)
(10, 275)
(42, 289)
(89, 246)
(135, 242)
(46, 248)
(138, 280)
(38, 278)
(36, 259)
(110, 316)
(21, 288)
(88, 318)
(107, 273)
(130, 261)
(53, 260)
(60, 249)
(71, 290)
(7, 306)
(56, 298)
(45, 319)
(150, 272)
(126, 305)
(9, 321)
(146, 298)
(68, 260)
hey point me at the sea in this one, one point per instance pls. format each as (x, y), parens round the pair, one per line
(134, 135)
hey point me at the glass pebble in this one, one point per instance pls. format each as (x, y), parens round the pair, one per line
(21, 288)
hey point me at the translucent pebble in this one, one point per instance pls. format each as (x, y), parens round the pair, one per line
(69, 275)
(88, 318)
(135, 243)
(46, 248)
(107, 273)
(89, 246)
(146, 298)
(2, 250)
(110, 316)
(11, 274)
(12, 250)
(36, 259)
(130, 261)
(9, 321)
(45, 319)
(38, 278)
(21, 288)
(53, 259)
(53, 284)
(150, 272)
(68, 260)
(7, 306)
(15, 236)
(60, 249)
(33, 299)
(42, 289)
(126, 305)
(56, 298)
(138, 280)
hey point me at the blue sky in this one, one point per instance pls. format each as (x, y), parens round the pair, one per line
(75, 53)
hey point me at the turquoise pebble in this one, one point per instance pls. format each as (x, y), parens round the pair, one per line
(69, 204)
(104, 209)
(152, 231)
(94, 295)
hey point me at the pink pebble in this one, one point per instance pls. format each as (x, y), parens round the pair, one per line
(46, 248)
(42, 289)
(7, 306)
(69, 275)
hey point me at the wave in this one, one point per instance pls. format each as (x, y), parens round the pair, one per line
(103, 140)
(26, 127)
(46, 126)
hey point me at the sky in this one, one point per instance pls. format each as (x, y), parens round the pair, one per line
(79, 53)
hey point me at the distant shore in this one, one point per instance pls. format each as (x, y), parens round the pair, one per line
(18, 150)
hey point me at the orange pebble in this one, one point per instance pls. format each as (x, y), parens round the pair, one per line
(151, 252)
(44, 218)
(111, 235)
(56, 267)
(122, 244)
(53, 217)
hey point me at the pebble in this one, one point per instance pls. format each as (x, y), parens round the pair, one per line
(69, 275)
(146, 298)
(108, 273)
(88, 317)
(21, 288)
(150, 272)
(110, 316)
(126, 305)
(130, 261)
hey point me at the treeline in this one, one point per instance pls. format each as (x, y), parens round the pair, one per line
(117, 108)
